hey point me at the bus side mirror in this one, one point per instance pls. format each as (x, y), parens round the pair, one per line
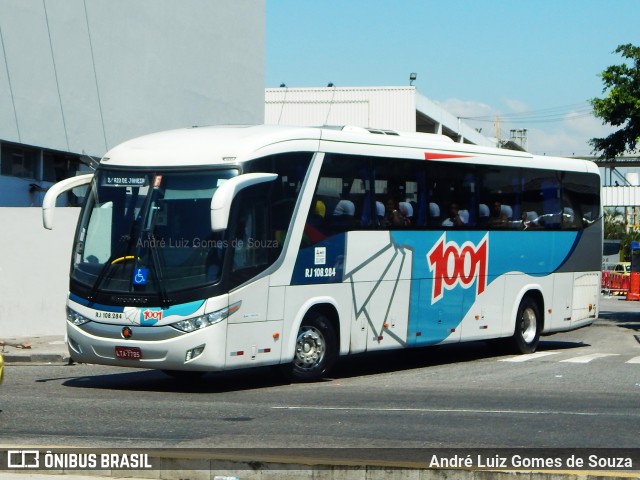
(49, 201)
(224, 195)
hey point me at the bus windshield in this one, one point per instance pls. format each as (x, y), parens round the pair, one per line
(149, 232)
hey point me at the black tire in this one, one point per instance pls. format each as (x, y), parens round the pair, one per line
(526, 336)
(316, 349)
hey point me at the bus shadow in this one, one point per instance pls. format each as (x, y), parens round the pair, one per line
(360, 365)
(434, 356)
(157, 381)
(620, 317)
(624, 319)
(546, 345)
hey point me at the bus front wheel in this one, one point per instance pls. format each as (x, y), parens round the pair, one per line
(528, 324)
(316, 349)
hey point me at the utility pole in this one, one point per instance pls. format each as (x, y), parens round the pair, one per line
(497, 131)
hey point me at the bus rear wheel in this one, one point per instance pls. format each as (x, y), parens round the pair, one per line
(528, 324)
(316, 349)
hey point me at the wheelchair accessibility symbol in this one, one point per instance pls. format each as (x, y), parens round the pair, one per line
(140, 276)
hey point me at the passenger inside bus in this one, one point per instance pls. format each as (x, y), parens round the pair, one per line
(499, 215)
(393, 216)
(454, 219)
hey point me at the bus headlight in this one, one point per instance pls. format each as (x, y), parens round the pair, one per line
(206, 320)
(75, 318)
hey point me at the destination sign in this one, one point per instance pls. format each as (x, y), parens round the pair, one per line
(124, 180)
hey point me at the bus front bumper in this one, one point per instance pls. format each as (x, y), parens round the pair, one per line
(148, 347)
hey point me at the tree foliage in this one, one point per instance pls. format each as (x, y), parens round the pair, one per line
(621, 106)
(625, 243)
(616, 228)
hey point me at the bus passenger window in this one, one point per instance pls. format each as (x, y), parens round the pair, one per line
(581, 206)
(251, 240)
(315, 228)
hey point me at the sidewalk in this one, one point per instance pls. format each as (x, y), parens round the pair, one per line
(50, 349)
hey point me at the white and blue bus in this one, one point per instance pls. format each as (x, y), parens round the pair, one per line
(215, 248)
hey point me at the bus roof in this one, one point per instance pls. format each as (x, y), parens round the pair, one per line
(216, 145)
(204, 145)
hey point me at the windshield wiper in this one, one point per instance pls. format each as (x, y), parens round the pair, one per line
(157, 271)
(117, 254)
(108, 264)
(143, 226)
(155, 257)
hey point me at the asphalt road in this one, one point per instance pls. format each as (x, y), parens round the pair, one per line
(581, 390)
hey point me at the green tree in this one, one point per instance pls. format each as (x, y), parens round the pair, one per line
(621, 106)
(617, 228)
(614, 226)
(625, 243)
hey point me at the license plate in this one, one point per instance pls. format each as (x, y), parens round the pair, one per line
(132, 353)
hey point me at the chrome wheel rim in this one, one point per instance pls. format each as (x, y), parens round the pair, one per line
(310, 348)
(529, 325)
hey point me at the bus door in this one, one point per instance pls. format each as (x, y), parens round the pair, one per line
(252, 336)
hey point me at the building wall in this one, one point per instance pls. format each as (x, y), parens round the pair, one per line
(85, 75)
(18, 192)
(34, 271)
(387, 108)
(622, 196)
(391, 108)
(82, 76)
(448, 124)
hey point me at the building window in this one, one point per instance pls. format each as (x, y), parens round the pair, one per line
(57, 166)
(19, 162)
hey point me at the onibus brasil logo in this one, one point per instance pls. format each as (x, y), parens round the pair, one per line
(454, 265)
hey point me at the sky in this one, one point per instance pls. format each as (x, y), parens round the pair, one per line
(533, 63)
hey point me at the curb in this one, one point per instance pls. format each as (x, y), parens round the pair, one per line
(35, 359)
(35, 350)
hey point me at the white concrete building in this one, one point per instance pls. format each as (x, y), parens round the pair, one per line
(81, 76)
(386, 108)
